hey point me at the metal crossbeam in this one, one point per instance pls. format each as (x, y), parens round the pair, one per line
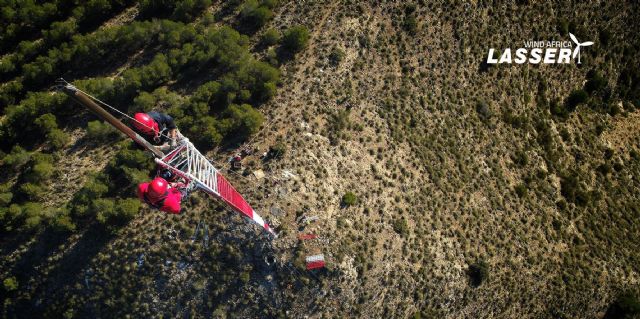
(187, 162)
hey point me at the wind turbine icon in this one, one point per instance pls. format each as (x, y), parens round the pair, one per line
(578, 45)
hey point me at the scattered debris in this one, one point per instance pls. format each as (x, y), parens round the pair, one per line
(308, 220)
(140, 260)
(259, 174)
(236, 162)
(282, 192)
(287, 174)
(206, 236)
(315, 262)
(182, 265)
(307, 236)
(88, 274)
(172, 233)
(246, 151)
(195, 234)
(275, 211)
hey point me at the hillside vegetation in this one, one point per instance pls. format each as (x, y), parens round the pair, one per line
(443, 186)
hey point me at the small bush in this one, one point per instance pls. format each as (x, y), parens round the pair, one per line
(484, 112)
(126, 209)
(32, 191)
(478, 273)
(104, 208)
(246, 120)
(520, 158)
(336, 56)
(295, 39)
(98, 130)
(595, 82)
(5, 198)
(521, 190)
(270, 37)
(401, 227)
(410, 25)
(349, 199)
(17, 157)
(62, 223)
(46, 123)
(278, 150)
(114, 213)
(573, 191)
(10, 284)
(255, 15)
(558, 109)
(92, 189)
(245, 276)
(574, 99)
(625, 306)
(40, 172)
(57, 139)
(32, 213)
(563, 26)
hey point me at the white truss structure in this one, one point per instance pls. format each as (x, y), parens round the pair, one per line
(186, 161)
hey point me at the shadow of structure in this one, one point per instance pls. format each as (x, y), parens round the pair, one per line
(47, 284)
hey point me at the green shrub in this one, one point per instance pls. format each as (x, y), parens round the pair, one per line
(103, 208)
(94, 188)
(17, 157)
(336, 56)
(144, 102)
(207, 93)
(245, 276)
(113, 213)
(401, 227)
(46, 123)
(558, 109)
(270, 37)
(57, 138)
(349, 199)
(134, 158)
(32, 191)
(574, 99)
(179, 10)
(521, 190)
(627, 305)
(278, 150)
(100, 131)
(134, 176)
(484, 112)
(10, 284)
(595, 82)
(60, 31)
(520, 158)
(189, 10)
(126, 209)
(40, 172)
(572, 190)
(5, 198)
(62, 222)
(246, 120)
(563, 26)
(338, 122)
(204, 132)
(32, 213)
(295, 39)
(478, 272)
(255, 15)
(410, 25)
